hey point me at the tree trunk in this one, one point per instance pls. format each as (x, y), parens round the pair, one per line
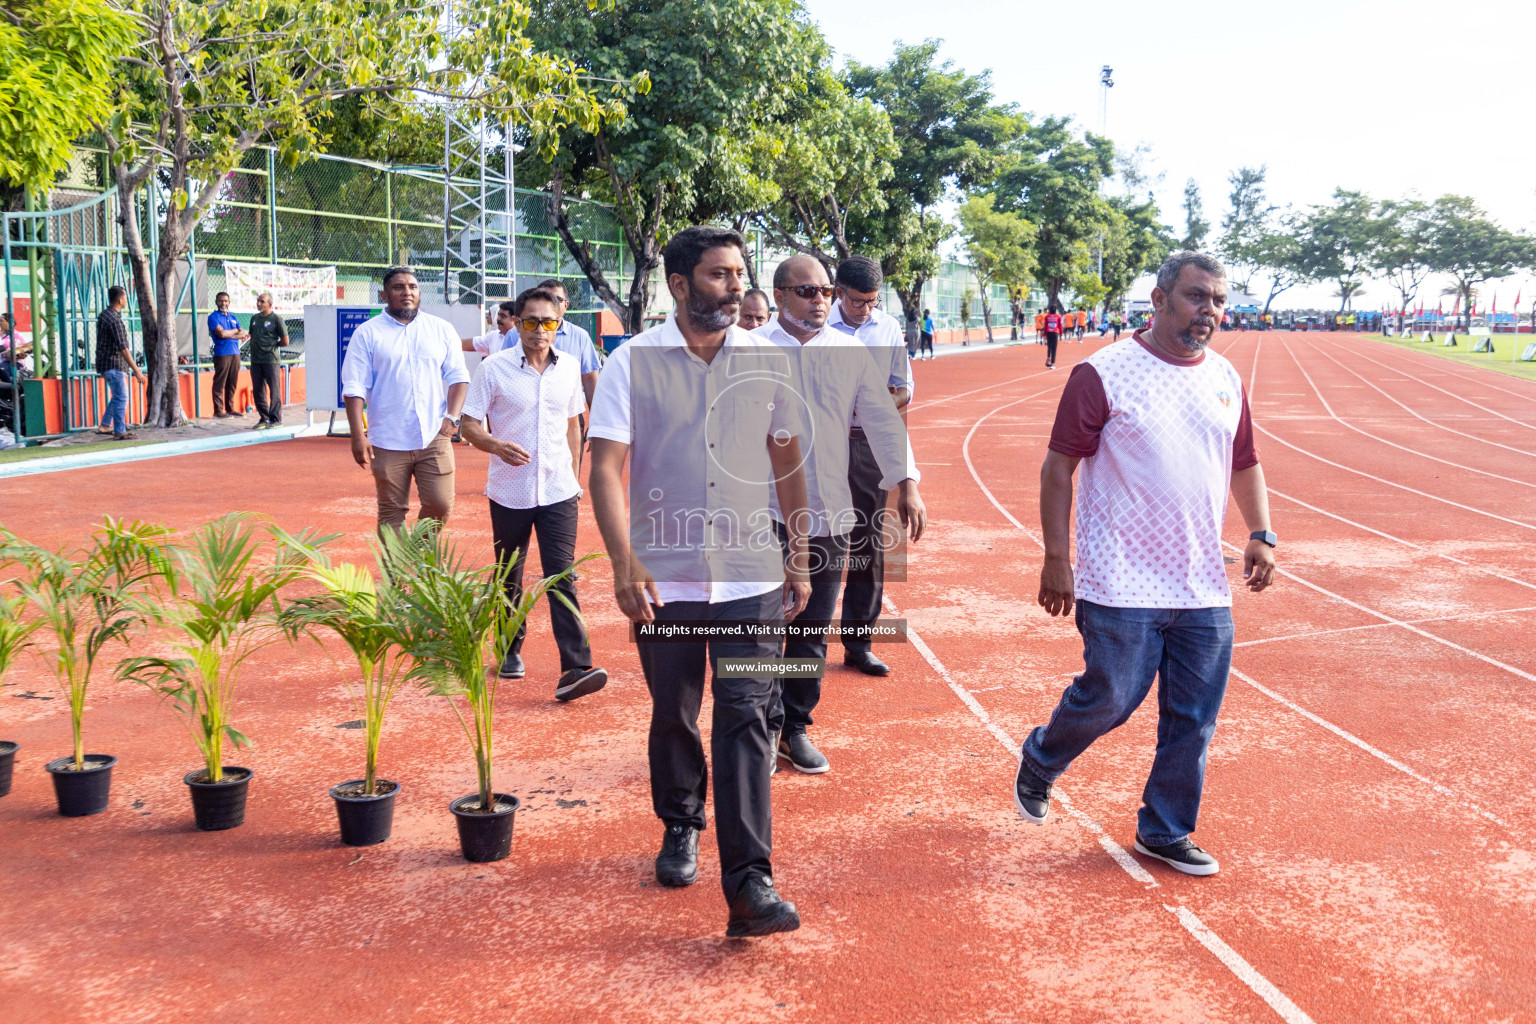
(986, 311)
(912, 300)
(581, 252)
(162, 395)
(640, 286)
(128, 184)
(1016, 307)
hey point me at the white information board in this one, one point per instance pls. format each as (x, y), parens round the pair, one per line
(328, 330)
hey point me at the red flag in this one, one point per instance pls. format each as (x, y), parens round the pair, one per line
(1456, 309)
(1493, 310)
(1516, 306)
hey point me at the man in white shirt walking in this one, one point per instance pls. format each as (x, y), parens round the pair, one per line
(408, 367)
(857, 313)
(702, 412)
(523, 409)
(499, 337)
(838, 379)
(1162, 431)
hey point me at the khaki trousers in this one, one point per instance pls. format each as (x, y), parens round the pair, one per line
(432, 467)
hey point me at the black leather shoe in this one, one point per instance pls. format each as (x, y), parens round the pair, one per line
(758, 910)
(579, 682)
(511, 666)
(866, 662)
(1031, 796)
(677, 864)
(798, 750)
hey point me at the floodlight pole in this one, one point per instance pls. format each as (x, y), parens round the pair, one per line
(1106, 83)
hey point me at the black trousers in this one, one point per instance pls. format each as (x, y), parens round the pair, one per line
(1051, 338)
(556, 526)
(266, 392)
(866, 545)
(925, 343)
(798, 696)
(738, 744)
(226, 380)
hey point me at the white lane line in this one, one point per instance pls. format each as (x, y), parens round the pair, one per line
(965, 449)
(1253, 390)
(1443, 391)
(1402, 448)
(1384, 625)
(977, 391)
(1399, 540)
(1262, 986)
(1414, 412)
(1414, 356)
(1338, 731)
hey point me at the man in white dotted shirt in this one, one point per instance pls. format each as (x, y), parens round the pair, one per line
(523, 409)
(1162, 431)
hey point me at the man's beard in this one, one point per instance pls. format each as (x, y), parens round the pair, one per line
(405, 316)
(804, 325)
(1193, 344)
(706, 314)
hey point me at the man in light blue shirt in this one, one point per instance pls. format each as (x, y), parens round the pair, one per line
(574, 339)
(408, 366)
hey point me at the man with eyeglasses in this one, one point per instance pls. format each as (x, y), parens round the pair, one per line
(837, 379)
(523, 410)
(856, 312)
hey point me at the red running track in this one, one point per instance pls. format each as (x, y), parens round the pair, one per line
(1368, 792)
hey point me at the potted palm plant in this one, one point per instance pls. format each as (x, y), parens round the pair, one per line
(451, 616)
(222, 602)
(15, 637)
(362, 614)
(87, 598)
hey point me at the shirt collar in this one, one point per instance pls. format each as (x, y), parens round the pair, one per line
(522, 353)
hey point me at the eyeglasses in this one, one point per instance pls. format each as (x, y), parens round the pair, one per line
(806, 291)
(862, 303)
(536, 324)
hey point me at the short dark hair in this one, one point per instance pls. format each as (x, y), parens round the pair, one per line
(1173, 266)
(860, 273)
(553, 282)
(394, 272)
(528, 295)
(508, 306)
(685, 250)
(220, 295)
(116, 292)
(767, 302)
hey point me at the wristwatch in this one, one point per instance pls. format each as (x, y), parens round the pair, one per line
(454, 420)
(1267, 536)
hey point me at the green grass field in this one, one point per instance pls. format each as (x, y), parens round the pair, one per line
(52, 451)
(1505, 347)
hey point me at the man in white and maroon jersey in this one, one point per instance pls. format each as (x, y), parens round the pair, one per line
(1162, 430)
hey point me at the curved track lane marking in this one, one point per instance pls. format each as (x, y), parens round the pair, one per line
(1414, 412)
(1387, 620)
(1400, 447)
(1459, 398)
(1230, 958)
(1383, 625)
(1413, 355)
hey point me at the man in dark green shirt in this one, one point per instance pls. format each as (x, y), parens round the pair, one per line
(268, 334)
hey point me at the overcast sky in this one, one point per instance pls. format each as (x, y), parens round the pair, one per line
(1326, 94)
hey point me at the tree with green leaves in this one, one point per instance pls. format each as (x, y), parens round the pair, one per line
(59, 59)
(1001, 250)
(690, 149)
(1247, 218)
(1053, 178)
(1277, 252)
(1136, 241)
(949, 135)
(1404, 254)
(200, 84)
(1338, 242)
(1196, 227)
(1467, 246)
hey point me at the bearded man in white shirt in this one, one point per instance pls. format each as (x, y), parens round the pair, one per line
(841, 382)
(408, 367)
(524, 409)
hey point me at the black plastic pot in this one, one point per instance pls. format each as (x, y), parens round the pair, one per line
(217, 806)
(365, 820)
(7, 763)
(484, 837)
(84, 792)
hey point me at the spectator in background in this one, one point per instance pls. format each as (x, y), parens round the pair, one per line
(754, 310)
(408, 367)
(114, 361)
(574, 339)
(11, 367)
(268, 334)
(925, 339)
(493, 341)
(225, 331)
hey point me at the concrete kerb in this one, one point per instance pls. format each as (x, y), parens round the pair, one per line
(164, 450)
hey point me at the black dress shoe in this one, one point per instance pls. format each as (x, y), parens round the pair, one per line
(511, 666)
(579, 682)
(758, 910)
(866, 662)
(1031, 796)
(677, 864)
(798, 750)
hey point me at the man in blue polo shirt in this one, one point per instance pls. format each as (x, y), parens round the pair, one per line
(574, 339)
(225, 331)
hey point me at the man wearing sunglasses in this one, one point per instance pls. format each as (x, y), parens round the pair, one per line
(857, 313)
(837, 379)
(523, 410)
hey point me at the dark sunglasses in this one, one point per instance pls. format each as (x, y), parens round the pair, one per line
(535, 324)
(806, 291)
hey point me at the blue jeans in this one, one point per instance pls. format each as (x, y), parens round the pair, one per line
(116, 415)
(1189, 651)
